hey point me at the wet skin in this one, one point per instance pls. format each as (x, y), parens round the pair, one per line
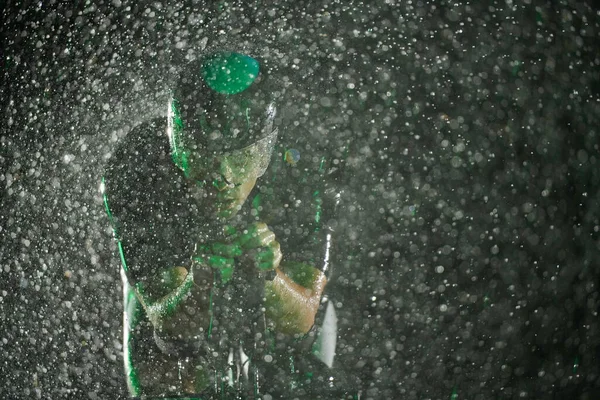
(229, 197)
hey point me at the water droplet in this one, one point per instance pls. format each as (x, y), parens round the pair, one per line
(292, 156)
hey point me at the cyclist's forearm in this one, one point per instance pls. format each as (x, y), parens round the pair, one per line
(175, 298)
(290, 306)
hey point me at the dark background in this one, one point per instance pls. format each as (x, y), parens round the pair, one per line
(469, 140)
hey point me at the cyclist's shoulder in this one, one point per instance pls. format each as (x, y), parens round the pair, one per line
(140, 164)
(141, 141)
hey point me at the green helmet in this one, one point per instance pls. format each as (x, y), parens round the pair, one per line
(222, 106)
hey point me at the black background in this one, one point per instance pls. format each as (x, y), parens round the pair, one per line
(469, 140)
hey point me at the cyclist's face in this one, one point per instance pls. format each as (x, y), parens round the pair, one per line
(226, 181)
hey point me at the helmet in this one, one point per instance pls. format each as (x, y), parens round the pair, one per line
(221, 112)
